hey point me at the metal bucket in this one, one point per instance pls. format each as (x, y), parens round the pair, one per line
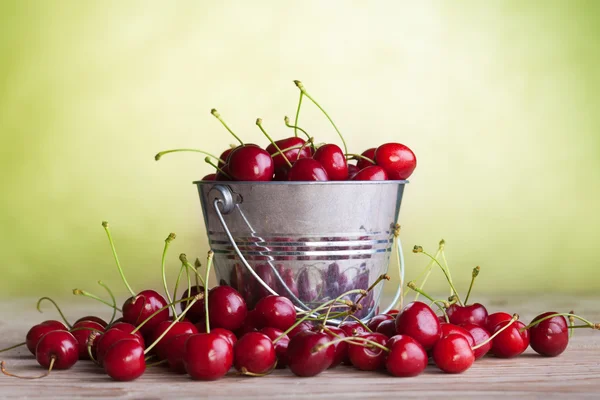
(308, 241)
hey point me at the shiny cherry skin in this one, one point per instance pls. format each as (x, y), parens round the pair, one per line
(292, 155)
(472, 314)
(370, 154)
(353, 328)
(93, 319)
(495, 318)
(208, 356)
(333, 160)
(479, 335)
(397, 159)
(301, 327)
(406, 357)
(125, 361)
(372, 173)
(418, 321)
(451, 329)
(250, 163)
(368, 358)
(60, 346)
(178, 328)
(276, 312)
(352, 170)
(175, 352)
(196, 313)
(252, 323)
(378, 319)
(387, 328)
(254, 352)
(307, 169)
(341, 348)
(550, 337)
(143, 305)
(511, 342)
(225, 334)
(226, 308)
(37, 331)
(128, 328)
(225, 156)
(113, 335)
(301, 357)
(210, 177)
(82, 331)
(452, 354)
(281, 345)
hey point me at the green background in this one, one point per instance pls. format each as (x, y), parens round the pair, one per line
(498, 99)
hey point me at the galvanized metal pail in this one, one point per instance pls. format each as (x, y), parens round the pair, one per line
(308, 241)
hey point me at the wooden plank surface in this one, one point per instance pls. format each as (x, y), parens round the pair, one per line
(575, 374)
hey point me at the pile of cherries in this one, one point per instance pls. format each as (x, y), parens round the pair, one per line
(297, 159)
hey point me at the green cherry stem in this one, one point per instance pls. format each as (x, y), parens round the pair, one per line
(176, 288)
(355, 318)
(442, 305)
(303, 91)
(184, 260)
(211, 163)
(443, 247)
(419, 249)
(509, 323)
(259, 124)
(287, 123)
(81, 292)
(571, 324)
(335, 301)
(112, 298)
(585, 321)
(427, 271)
(13, 347)
(379, 279)
(473, 276)
(298, 146)
(55, 306)
(216, 114)
(155, 313)
(168, 241)
(114, 251)
(209, 261)
(297, 113)
(359, 156)
(365, 341)
(197, 266)
(162, 153)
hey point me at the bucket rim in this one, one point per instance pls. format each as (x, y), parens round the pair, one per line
(308, 183)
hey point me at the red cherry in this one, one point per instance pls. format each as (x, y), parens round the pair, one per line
(511, 342)
(472, 314)
(281, 345)
(254, 353)
(60, 346)
(225, 334)
(113, 335)
(333, 161)
(227, 308)
(175, 350)
(452, 354)
(37, 331)
(341, 348)
(387, 328)
(353, 328)
(276, 312)
(210, 177)
(223, 174)
(178, 328)
(372, 173)
(93, 319)
(307, 169)
(252, 323)
(292, 155)
(352, 170)
(301, 327)
(225, 156)
(406, 357)
(304, 359)
(124, 360)
(451, 329)
(398, 160)
(196, 313)
(479, 335)
(418, 321)
(378, 319)
(551, 336)
(368, 358)
(208, 356)
(495, 318)
(82, 336)
(250, 163)
(370, 154)
(137, 309)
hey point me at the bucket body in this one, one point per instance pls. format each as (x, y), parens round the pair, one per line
(308, 241)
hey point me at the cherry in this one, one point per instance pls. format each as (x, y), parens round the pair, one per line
(479, 335)
(227, 308)
(138, 308)
(295, 152)
(363, 163)
(38, 331)
(303, 359)
(250, 163)
(176, 351)
(352, 170)
(210, 177)
(419, 321)
(208, 356)
(225, 156)
(254, 354)
(333, 161)
(341, 348)
(113, 335)
(512, 341)
(177, 328)
(252, 323)
(128, 328)
(451, 329)
(225, 334)
(406, 357)
(82, 331)
(125, 360)
(452, 354)
(495, 318)
(57, 348)
(307, 169)
(280, 346)
(222, 174)
(472, 314)
(368, 358)
(372, 173)
(92, 318)
(281, 174)
(377, 320)
(196, 313)
(398, 160)
(301, 327)
(549, 337)
(387, 328)
(276, 312)
(353, 328)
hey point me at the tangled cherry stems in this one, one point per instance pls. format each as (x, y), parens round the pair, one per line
(419, 249)
(444, 304)
(365, 343)
(259, 124)
(428, 268)
(184, 260)
(155, 313)
(57, 309)
(499, 331)
(286, 120)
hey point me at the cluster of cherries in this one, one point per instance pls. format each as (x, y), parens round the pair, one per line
(296, 159)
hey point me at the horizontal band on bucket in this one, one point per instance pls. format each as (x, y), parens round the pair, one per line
(332, 253)
(348, 244)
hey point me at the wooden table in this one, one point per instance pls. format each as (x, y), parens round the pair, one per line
(575, 374)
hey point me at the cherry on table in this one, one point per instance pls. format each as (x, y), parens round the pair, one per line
(38, 331)
(397, 159)
(208, 356)
(138, 308)
(418, 321)
(281, 345)
(307, 169)
(113, 335)
(341, 348)
(372, 173)
(301, 327)
(387, 328)
(472, 314)
(125, 360)
(479, 335)
(276, 312)
(368, 358)
(92, 318)
(451, 329)
(333, 161)
(453, 354)
(302, 357)
(512, 341)
(227, 308)
(353, 328)
(549, 337)
(58, 348)
(254, 354)
(377, 320)
(406, 356)
(175, 351)
(495, 318)
(82, 331)
(174, 329)
(196, 313)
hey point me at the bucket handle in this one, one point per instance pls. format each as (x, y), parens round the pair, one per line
(223, 204)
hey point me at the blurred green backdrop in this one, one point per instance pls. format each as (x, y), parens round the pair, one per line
(498, 99)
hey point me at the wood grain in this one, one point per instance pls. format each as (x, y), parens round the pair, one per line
(575, 374)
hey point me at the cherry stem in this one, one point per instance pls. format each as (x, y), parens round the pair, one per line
(209, 261)
(80, 292)
(357, 156)
(319, 308)
(303, 91)
(473, 276)
(244, 371)
(287, 123)
(13, 347)
(155, 313)
(259, 124)
(216, 114)
(509, 323)
(442, 307)
(354, 317)
(176, 320)
(419, 249)
(57, 309)
(427, 272)
(184, 260)
(398, 262)
(114, 301)
(298, 113)
(154, 364)
(298, 146)
(90, 343)
(209, 162)
(379, 279)
(442, 247)
(366, 343)
(571, 324)
(534, 323)
(162, 153)
(168, 241)
(181, 269)
(337, 299)
(114, 251)
(5, 372)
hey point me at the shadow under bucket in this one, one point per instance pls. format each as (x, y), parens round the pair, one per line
(308, 241)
